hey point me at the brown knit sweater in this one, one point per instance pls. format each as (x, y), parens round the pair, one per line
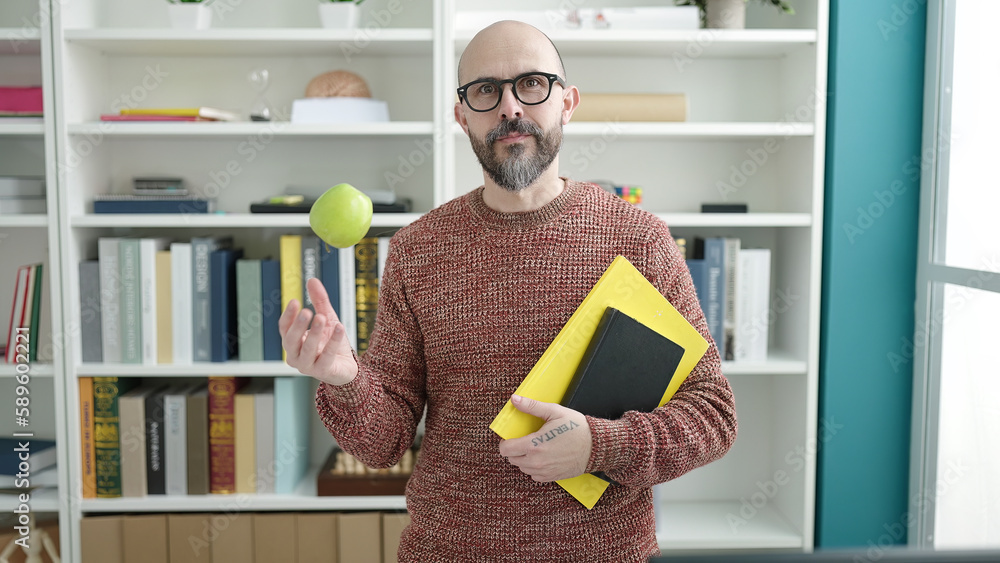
(469, 300)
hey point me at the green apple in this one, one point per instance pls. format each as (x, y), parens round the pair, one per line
(341, 216)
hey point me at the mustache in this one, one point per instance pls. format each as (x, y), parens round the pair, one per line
(508, 127)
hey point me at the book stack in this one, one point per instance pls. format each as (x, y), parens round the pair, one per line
(220, 437)
(172, 114)
(18, 101)
(733, 286)
(372, 537)
(19, 194)
(29, 333)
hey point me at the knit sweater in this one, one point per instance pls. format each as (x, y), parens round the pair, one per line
(469, 300)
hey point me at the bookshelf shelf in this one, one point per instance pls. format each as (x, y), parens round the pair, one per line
(231, 220)
(736, 219)
(20, 41)
(706, 525)
(21, 126)
(27, 220)
(253, 41)
(226, 130)
(729, 43)
(36, 370)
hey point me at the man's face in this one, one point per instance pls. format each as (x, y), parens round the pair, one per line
(516, 152)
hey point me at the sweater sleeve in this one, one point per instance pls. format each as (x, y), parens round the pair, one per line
(698, 424)
(375, 416)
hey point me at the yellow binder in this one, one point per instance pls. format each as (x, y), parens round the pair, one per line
(624, 288)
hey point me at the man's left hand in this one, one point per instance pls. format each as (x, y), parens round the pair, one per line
(560, 450)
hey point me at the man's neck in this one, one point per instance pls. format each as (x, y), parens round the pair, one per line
(547, 187)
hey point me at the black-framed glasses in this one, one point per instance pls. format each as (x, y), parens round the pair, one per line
(530, 88)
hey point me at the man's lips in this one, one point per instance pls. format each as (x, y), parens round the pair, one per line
(513, 138)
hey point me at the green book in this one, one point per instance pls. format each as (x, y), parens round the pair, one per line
(248, 311)
(36, 307)
(107, 446)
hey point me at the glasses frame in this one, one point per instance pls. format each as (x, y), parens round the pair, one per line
(553, 79)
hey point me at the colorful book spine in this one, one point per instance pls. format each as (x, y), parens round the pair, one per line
(245, 429)
(330, 274)
(197, 441)
(250, 331)
(156, 475)
(310, 267)
(36, 310)
(201, 291)
(130, 301)
(16, 312)
(107, 447)
(90, 311)
(164, 309)
(88, 473)
(731, 258)
(149, 283)
(366, 285)
(290, 254)
(221, 433)
(291, 430)
(264, 434)
(270, 308)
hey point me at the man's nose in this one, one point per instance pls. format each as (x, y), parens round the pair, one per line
(510, 107)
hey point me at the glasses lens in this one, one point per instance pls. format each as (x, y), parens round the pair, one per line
(533, 88)
(482, 95)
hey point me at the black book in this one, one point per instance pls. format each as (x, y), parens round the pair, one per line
(627, 366)
(156, 483)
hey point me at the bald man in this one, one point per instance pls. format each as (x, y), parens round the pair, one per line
(472, 294)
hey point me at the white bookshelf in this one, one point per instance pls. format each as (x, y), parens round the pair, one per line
(746, 88)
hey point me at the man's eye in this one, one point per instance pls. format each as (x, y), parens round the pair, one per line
(486, 89)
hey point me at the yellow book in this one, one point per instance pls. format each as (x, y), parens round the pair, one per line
(290, 257)
(202, 112)
(88, 467)
(624, 288)
(164, 309)
(246, 439)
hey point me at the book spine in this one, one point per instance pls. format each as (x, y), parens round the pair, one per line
(330, 274)
(223, 304)
(270, 308)
(24, 321)
(348, 295)
(731, 258)
(131, 301)
(36, 309)
(245, 436)
(175, 442)
(90, 311)
(156, 483)
(164, 309)
(221, 433)
(366, 284)
(290, 254)
(715, 282)
(201, 291)
(88, 471)
(178, 207)
(760, 301)
(43, 333)
(249, 319)
(107, 253)
(181, 308)
(264, 433)
(291, 430)
(310, 268)
(132, 427)
(197, 442)
(15, 312)
(107, 448)
(148, 249)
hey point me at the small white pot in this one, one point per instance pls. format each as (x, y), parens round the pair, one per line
(190, 16)
(725, 14)
(339, 15)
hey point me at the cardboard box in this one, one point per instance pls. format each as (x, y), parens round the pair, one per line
(273, 536)
(101, 539)
(188, 538)
(144, 538)
(393, 524)
(359, 537)
(235, 540)
(316, 536)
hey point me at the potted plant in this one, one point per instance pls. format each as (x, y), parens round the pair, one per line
(729, 14)
(339, 14)
(190, 14)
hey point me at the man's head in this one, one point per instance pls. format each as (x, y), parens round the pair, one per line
(519, 139)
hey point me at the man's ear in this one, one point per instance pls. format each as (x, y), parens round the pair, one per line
(460, 117)
(571, 100)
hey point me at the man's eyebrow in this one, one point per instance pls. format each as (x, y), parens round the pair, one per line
(515, 76)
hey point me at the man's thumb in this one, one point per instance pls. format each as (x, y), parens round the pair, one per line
(531, 406)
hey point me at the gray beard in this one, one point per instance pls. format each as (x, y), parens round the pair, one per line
(518, 170)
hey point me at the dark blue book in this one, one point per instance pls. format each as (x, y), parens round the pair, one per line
(222, 264)
(697, 267)
(330, 274)
(270, 306)
(152, 204)
(40, 454)
(713, 251)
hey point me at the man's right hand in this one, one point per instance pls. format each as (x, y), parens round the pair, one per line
(322, 351)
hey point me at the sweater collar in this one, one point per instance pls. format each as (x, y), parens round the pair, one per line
(522, 219)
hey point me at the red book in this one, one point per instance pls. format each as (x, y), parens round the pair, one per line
(21, 100)
(222, 433)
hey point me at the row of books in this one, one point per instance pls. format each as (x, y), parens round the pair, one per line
(29, 333)
(734, 290)
(149, 300)
(219, 437)
(291, 537)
